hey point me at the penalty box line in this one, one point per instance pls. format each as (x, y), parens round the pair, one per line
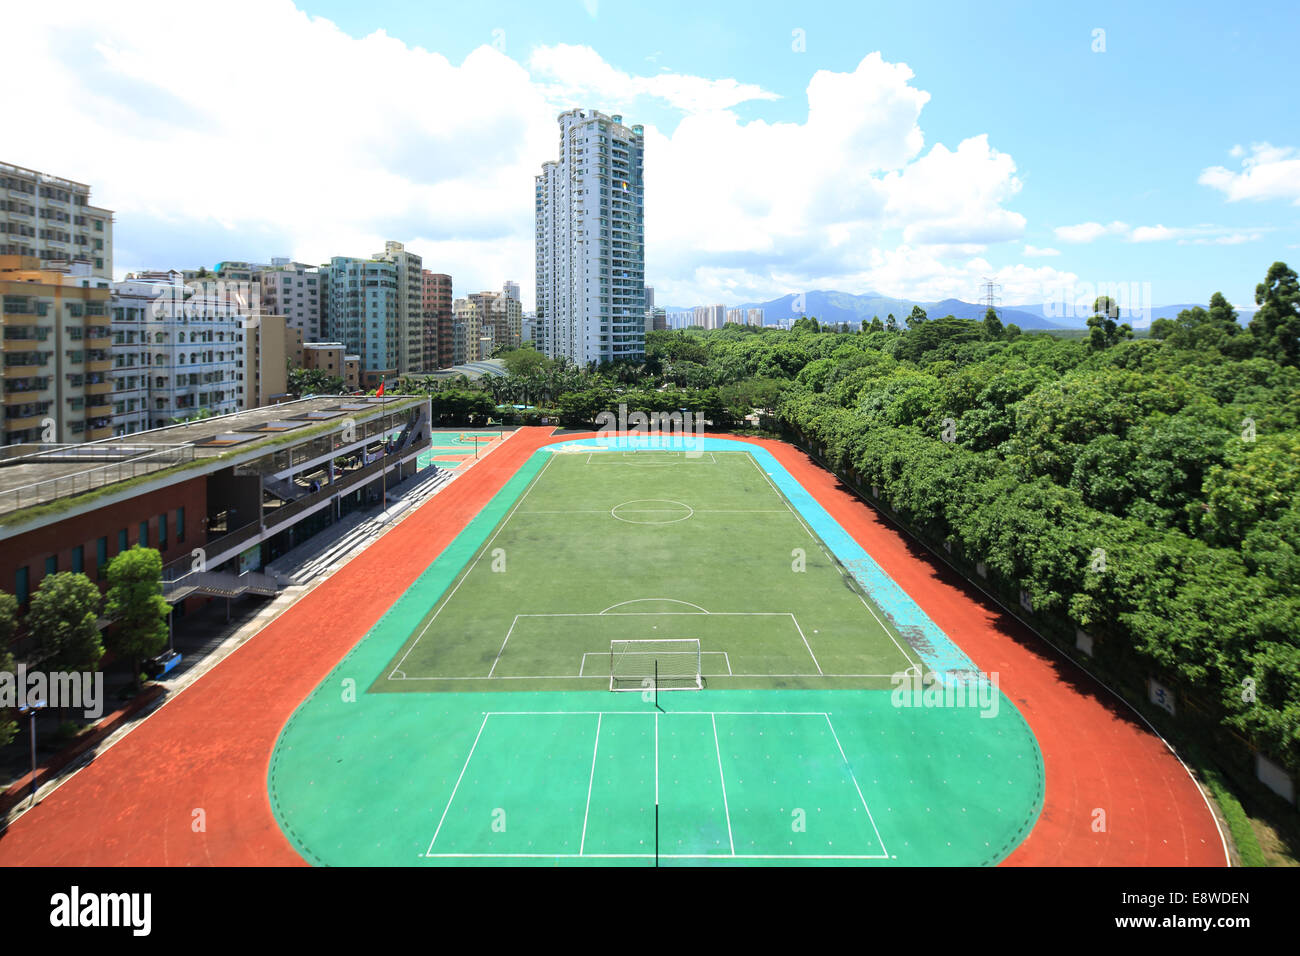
(713, 716)
(607, 613)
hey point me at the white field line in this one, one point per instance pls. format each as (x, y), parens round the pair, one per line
(906, 656)
(656, 759)
(651, 856)
(805, 644)
(723, 780)
(586, 813)
(447, 808)
(844, 757)
(466, 573)
(605, 677)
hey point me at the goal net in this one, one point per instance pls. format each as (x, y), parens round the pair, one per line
(649, 664)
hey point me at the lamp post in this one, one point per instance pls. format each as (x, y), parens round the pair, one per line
(30, 712)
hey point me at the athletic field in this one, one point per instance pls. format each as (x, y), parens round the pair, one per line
(650, 545)
(476, 723)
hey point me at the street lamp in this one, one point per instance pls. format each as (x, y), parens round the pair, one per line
(30, 712)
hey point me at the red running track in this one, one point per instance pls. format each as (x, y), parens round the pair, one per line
(210, 747)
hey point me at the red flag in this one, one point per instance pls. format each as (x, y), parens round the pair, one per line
(381, 389)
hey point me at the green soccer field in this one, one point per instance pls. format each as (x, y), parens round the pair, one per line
(489, 733)
(650, 545)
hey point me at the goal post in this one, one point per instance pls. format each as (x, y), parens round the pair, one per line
(655, 664)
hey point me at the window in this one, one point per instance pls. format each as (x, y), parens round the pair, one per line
(21, 584)
(121, 541)
(79, 558)
(52, 564)
(101, 551)
(180, 524)
(162, 531)
(144, 534)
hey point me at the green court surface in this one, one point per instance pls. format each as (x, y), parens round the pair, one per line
(641, 546)
(474, 725)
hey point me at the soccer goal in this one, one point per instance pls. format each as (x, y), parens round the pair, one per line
(659, 665)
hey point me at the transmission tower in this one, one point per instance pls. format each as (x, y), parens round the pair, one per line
(991, 295)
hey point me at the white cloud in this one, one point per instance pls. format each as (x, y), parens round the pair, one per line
(1269, 172)
(1204, 234)
(1090, 231)
(213, 140)
(578, 74)
(1034, 252)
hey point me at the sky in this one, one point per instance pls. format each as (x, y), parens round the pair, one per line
(906, 149)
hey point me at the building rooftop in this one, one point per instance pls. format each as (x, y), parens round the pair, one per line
(32, 475)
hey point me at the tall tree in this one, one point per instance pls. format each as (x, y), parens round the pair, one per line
(1276, 325)
(916, 317)
(993, 329)
(63, 620)
(135, 605)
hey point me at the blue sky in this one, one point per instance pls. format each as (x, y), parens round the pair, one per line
(1168, 157)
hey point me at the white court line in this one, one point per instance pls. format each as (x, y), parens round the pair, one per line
(805, 644)
(651, 856)
(510, 630)
(906, 656)
(606, 676)
(844, 757)
(713, 715)
(594, 750)
(718, 748)
(482, 551)
(447, 808)
(656, 758)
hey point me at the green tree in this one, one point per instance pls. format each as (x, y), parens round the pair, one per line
(8, 625)
(313, 381)
(891, 323)
(63, 621)
(993, 330)
(1276, 324)
(1105, 331)
(916, 317)
(135, 605)
(523, 361)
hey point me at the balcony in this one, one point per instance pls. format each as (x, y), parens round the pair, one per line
(99, 365)
(99, 411)
(99, 343)
(98, 388)
(21, 424)
(21, 398)
(23, 371)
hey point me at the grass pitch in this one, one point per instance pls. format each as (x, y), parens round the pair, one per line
(628, 545)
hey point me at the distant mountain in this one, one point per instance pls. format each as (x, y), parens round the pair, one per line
(832, 306)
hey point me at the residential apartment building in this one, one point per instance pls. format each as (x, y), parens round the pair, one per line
(410, 306)
(293, 289)
(362, 312)
(754, 317)
(179, 349)
(439, 346)
(332, 359)
(57, 352)
(590, 252)
(503, 314)
(467, 332)
(51, 219)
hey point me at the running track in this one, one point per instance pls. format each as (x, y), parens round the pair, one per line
(209, 748)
